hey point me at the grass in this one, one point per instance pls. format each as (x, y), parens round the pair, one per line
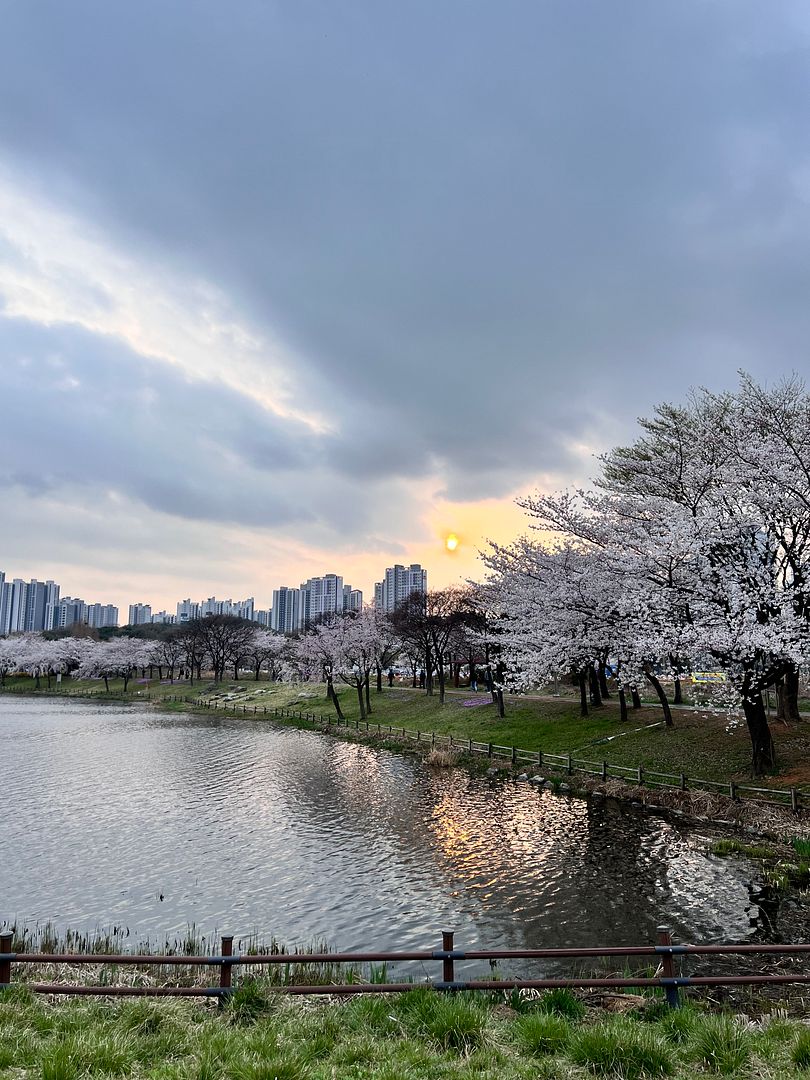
(701, 745)
(415, 1036)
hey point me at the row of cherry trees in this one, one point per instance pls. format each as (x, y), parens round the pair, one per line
(689, 553)
(211, 644)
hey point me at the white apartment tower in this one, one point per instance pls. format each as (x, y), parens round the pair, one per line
(139, 614)
(284, 612)
(398, 584)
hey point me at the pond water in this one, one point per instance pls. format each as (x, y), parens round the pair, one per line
(125, 816)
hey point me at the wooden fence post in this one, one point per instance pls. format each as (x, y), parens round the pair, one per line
(664, 938)
(448, 965)
(225, 969)
(5, 965)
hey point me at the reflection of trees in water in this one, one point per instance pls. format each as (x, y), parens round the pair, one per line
(542, 869)
(578, 872)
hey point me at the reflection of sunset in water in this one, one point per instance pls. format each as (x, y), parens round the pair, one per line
(240, 825)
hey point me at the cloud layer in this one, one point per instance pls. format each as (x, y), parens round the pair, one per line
(314, 272)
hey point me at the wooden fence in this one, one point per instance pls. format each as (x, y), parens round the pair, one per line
(663, 953)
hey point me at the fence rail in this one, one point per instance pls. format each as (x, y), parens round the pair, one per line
(793, 797)
(664, 953)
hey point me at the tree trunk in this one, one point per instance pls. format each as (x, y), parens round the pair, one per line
(583, 694)
(501, 709)
(360, 686)
(634, 697)
(593, 681)
(126, 681)
(457, 675)
(415, 671)
(791, 694)
(677, 698)
(440, 673)
(428, 674)
(367, 680)
(258, 669)
(622, 706)
(603, 686)
(106, 684)
(379, 678)
(763, 754)
(662, 698)
(330, 693)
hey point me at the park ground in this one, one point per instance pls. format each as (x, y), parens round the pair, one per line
(704, 745)
(413, 1036)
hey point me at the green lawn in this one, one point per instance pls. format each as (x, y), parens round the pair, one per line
(700, 745)
(414, 1036)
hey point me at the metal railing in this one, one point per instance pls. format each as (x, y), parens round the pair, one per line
(664, 953)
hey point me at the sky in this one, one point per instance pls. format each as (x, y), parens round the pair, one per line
(289, 288)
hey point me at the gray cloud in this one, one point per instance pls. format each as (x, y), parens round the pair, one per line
(489, 231)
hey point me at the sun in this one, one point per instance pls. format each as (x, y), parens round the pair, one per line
(451, 543)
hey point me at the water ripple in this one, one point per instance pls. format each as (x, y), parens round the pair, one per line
(122, 814)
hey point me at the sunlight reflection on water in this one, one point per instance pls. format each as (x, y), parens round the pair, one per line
(124, 815)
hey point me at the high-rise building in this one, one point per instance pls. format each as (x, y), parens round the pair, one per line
(98, 615)
(398, 584)
(352, 599)
(320, 597)
(139, 614)
(284, 612)
(39, 595)
(67, 611)
(187, 610)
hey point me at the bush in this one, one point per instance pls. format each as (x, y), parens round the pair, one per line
(619, 1048)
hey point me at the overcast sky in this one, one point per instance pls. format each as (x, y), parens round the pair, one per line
(289, 288)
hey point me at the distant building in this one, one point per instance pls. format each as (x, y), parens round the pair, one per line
(320, 597)
(139, 614)
(163, 617)
(24, 604)
(187, 610)
(67, 611)
(284, 612)
(352, 599)
(398, 584)
(99, 615)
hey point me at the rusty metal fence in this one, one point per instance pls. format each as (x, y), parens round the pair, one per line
(664, 953)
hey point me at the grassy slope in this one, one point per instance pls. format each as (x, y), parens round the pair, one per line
(417, 1036)
(701, 745)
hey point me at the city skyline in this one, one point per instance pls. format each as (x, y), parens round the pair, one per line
(35, 605)
(331, 286)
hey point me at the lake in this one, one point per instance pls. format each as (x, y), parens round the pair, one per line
(120, 815)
